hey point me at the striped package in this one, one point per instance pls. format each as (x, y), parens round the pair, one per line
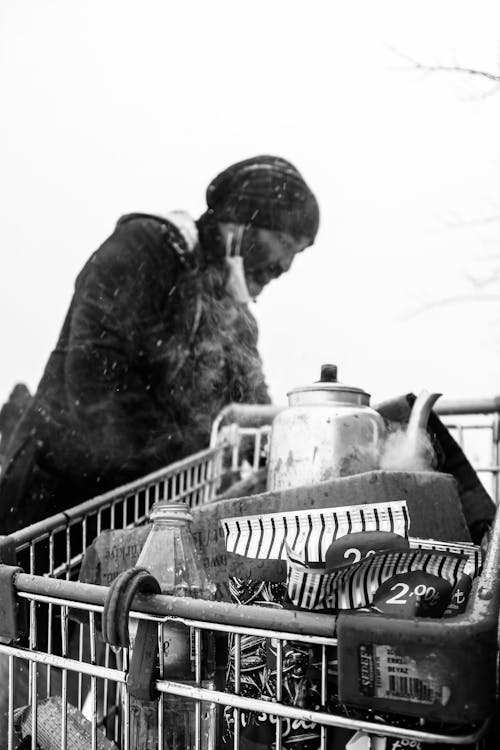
(355, 586)
(470, 550)
(472, 568)
(310, 532)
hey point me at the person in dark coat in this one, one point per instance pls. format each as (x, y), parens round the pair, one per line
(158, 338)
(11, 413)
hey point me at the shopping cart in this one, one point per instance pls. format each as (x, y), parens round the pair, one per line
(40, 570)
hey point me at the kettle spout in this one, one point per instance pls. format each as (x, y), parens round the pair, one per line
(420, 412)
(412, 451)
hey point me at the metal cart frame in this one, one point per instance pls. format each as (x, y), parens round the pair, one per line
(41, 562)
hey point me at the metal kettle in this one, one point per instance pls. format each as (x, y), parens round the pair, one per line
(328, 431)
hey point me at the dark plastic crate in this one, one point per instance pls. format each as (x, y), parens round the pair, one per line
(444, 670)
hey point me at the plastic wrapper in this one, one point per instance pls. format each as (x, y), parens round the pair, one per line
(303, 538)
(265, 537)
(355, 586)
(311, 532)
(49, 723)
(258, 679)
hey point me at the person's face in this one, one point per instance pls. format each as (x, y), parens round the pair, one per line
(267, 254)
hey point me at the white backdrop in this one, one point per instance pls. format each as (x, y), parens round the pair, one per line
(129, 105)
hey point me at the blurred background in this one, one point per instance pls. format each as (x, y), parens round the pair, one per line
(113, 106)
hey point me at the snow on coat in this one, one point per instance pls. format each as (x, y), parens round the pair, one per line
(151, 349)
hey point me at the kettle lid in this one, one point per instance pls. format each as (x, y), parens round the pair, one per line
(329, 384)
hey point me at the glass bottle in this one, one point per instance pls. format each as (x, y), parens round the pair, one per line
(169, 553)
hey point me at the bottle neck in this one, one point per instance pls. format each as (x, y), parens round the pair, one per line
(177, 523)
(171, 514)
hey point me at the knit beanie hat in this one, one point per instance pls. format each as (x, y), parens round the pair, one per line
(267, 192)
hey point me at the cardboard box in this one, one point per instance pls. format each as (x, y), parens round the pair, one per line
(432, 499)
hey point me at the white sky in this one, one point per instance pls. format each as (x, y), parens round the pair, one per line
(117, 106)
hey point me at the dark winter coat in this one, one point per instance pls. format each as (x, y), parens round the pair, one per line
(151, 349)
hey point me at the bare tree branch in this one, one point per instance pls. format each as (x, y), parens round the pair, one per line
(460, 224)
(458, 69)
(427, 68)
(478, 282)
(459, 299)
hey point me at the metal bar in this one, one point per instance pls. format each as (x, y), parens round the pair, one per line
(197, 675)
(64, 677)
(324, 686)
(239, 702)
(65, 567)
(208, 493)
(51, 555)
(119, 703)
(469, 425)
(126, 705)
(60, 523)
(64, 662)
(256, 451)
(32, 557)
(83, 534)
(237, 688)
(33, 667)
(224, 628)
(105, 697)
(10, 728)
(279, 690)
(68, 552)
(197, 610)
(50, 614)
(235, 455)
(220, 627)
(161, 702)
(136, 507)
(462, 406)
(254, 415)
(496, 456)
(34, 715)
(93, 692)
(80, 674)
(74, 514)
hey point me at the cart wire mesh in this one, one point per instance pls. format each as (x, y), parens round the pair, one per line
(64, 656)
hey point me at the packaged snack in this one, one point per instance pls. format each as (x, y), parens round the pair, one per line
(355, 586)
(462, 589)
(258, 679)
(265, 537)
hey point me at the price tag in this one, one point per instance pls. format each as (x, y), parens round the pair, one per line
(352, 548)
(459, 597)
(414, 594)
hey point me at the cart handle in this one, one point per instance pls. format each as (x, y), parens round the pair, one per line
(257, 415)
(454, 407)
(245, 415)
(296, 622)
